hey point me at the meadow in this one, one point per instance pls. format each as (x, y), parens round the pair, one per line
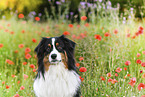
(110, 50)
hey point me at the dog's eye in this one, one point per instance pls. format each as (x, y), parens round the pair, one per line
(48, 49)
(59, 48)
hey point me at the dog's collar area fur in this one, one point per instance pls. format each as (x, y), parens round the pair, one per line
(58, 82)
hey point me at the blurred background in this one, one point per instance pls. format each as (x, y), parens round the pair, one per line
(70, 8)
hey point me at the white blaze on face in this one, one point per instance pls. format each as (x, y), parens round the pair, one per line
(54, 51)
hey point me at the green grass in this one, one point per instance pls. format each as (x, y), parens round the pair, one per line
(98, 59)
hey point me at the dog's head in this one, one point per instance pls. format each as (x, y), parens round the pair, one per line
(51, 51)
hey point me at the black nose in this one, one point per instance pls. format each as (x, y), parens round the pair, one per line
(53, 56)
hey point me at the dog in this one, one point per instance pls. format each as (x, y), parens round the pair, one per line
(57, 75)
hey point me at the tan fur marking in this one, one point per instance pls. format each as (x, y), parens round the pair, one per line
(46, 62)
(49, 45)
(64, 59)
(57, 44)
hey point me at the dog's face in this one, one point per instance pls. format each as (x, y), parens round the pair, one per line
(51, 51)
(54, 50)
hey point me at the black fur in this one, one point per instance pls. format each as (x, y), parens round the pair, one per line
(69, 47)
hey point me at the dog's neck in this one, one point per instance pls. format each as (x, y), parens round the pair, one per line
(58, 82)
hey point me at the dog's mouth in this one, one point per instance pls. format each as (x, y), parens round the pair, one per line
(54, 61)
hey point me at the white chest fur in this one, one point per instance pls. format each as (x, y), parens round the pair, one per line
(59, 82)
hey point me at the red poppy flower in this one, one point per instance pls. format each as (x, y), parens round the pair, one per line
(70, 25)
(18, 82)
(34, 40)
(81, 58)
(78, 26)
(115, 31)
(82, 69)
(37, 18)
(20, 16)
(25, 76)
(27, 50)
(137, 33)
(128, 75)
(109, 80)
(16, 95)
(21, 45)
(8, 25)
(77, 64)
(3, 82)
(78, 37)
(109, 74)
(73, 36)
(34, 70)
(143, 64)
(102, 78)
(125, 68)
(141, 28)
(107, 34)
(66, 33)
(127, 63)
(82, 35)
(6, 30)
(7, 87)
(87, 24)
(143, 52)
(16, 51)
(133, 37)
(22, 88)
(9, 62)
(81, 78)
(114, 81)
(141, 71)
(140, 31)
(116, 74)
(128, 35)
(83, 18)
(24, 63)
(138, 61)
(118, 69)
(1, 45)
(35, 56)
(27, 56)
(12, 32)
(138, 54)
(132, 81)
(143, 76)
(32, 66)
(13, 75)
(23, 31)
(141, 86)
(98, 37)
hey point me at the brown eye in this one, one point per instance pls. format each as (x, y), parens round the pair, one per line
(59, 48)
(48, 49)
(49, 46)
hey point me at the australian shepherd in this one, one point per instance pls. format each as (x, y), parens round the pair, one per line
(57, 76)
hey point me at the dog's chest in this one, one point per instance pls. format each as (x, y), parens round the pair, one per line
(59, 82)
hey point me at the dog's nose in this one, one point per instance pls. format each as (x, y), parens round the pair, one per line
(53, 56)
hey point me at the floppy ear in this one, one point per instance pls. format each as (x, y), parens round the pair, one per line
(39, 49)
(69, 44)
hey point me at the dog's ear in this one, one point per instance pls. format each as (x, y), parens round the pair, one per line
(69, 44)
(40, 48)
